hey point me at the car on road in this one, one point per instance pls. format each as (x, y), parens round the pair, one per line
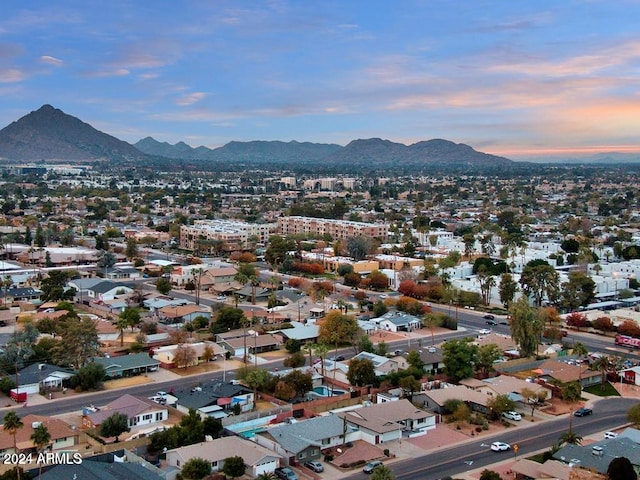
(339, 358)
(500, 447)
(583, 412)
(484, 331)
(609, 435)
(285, 473)
(371, 466)
(314, 466)
(488, 316)
(491, 322)
(511, 415)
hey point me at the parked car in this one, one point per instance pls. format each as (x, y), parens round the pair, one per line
(610, 435)
(285, 473)
(371, 466)
(488, 316)
(511, 415)
(315, 466)
(583, 412)
(500, 447)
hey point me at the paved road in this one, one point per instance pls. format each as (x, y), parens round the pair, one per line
(608, 414)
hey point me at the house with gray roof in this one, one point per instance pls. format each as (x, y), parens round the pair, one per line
(382, 365)
(395, 321)
(212, 398)
(107, 290)
(598, 455)
(96, 470)
(303, 441)
(127, 365)
(303, 332)
(42, 376)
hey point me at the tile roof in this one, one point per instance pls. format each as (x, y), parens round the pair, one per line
(385, 417)
(225, 447)
(128, 405)
(57, 429)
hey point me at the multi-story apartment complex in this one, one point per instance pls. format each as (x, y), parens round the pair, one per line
(337, 229)
(203, 234)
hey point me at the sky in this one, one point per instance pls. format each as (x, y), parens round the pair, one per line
(519, 78)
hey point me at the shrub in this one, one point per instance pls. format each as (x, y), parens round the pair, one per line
(386, 452)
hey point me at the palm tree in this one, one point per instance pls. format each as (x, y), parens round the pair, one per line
(570, 437)
(321, 350)
(12, 423)
(41, 438)
(604, 364)
(266, 476)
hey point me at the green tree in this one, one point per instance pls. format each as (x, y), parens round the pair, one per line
(89, 376)
(295, 360)
(621, 468)
(131, 250)
(78, 342)
(540, 280)
(570, 437)
(228, 318)
(358, 247)
(256, 379)
(114, 425)
(195, 469)
(163, 286)
(41, 438)
(293, 345)
(383, 473)
(409, 386)
(578, 291)
(500, 404)
(490, 475)
(234, 466)
(365, 344)
(633, 414)
(415, 362)
(54, 286)
(361, 372)
(459, 358)
(571, 392)
(526, 326)
(487, 354)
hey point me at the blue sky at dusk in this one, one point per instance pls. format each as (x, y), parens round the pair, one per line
(516, 78)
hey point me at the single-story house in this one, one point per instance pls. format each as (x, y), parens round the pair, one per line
(382, 422)
(120, 272)
(397, 322)
(173, 314)
(140, 411)
(563, 372)
(154, 304)
(303, 441)
(127, 365)
(107, 290)
(435, 399)
(303, 332)
(212, 398)
(259, 460)
(382, 365)
(62, 435)
(166, 354)
(253, 344)
(510, 386)
(42, 376)
(432, 359)
(23, 294)
(598, 455)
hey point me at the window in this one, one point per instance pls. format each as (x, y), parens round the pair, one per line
(302, 455)
(147, 417)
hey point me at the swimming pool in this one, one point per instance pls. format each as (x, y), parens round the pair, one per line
(324, 391)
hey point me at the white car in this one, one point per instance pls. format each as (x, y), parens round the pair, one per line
(484, 331)
(500, 447)
(511, 415)
(610, 435)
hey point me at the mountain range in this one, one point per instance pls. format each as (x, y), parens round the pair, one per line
(49, 134)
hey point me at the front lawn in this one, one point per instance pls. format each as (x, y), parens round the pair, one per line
(609, 390)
